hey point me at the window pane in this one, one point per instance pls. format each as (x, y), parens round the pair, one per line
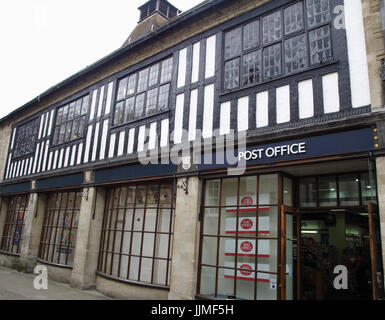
(287, 191)
(272, 61)
(152, 96)
(232, 74)
(129, 109)
(118, 118)
(207, 284)
(65, 113)
(78, 108)
(268, 188)
(71, 110)
(143, 80)
(131, 84)
(166, 70)
(233, 40)
(368, 190)
(210, 225)
(251, 35)
(154, 72)
(319, 43)
(75, 129)
(209, 250)
(163, 97)
(82, 126)
(293, 16)
(317, 12)
(272, 27)
(348, 187)
(308, 192)
(327, 190)
(122, 88)
(252, 68)
(139, 107)
(295, 54)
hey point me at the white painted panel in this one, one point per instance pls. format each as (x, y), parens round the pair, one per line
(283, 104)
(45, 124)
(305, 99)
(73, 155)
(182, 66)
(18, 168)
(80, 150)
(42, 149)
(131, 137)
(51, 122)
(195, 63)
(22, 167)
(88, 143)
(45, 156)
(208, 110)
(13, 138)
(67, 157)
(100, 104)
(55, 159)
(109, 97)
(50, 161)
(243, 114)
(61, 157)
(262, 112)
(164, 132)
(358, 63)
(224, 125)
(153, 136)
(122, 136)
(10, 171)
(41, 125)
(96, 140)
(104, 140)
(9, 165)
(26, 166)
(210, 57)
(193, 115)
(112, 145)
(93, 104)
(178, 128)
(30, 165)
(13, 168)
(331, 94)
(141, 138)
(36, 158)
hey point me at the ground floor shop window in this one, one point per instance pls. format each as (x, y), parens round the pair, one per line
(58, 238)
(14, 223)
(137, 233)
(239, 241)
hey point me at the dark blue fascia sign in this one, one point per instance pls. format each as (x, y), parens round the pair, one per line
(323, 145)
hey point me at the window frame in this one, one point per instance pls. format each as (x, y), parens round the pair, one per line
(51, 222)
(35, 122)
(158, 85)
(84, 116)
(107, 256)
(284, 37)
(12, 226)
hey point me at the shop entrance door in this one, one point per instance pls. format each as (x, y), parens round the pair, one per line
(290, 255)
(375, 252)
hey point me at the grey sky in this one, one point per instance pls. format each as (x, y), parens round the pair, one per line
(45, 41)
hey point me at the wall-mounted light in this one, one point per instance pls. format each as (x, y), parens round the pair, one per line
(309, 231)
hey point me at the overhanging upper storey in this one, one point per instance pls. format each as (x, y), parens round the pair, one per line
(282, 65)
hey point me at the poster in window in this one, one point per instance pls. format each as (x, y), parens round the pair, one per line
(18, 228)
(247, 200)
(246, 248)
(247, 273)
(247, 225)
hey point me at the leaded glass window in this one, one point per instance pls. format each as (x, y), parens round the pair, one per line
(318, 12)
(288, 40)
(295, 54)
(320, 46)
(70, 121)
(26, 138)
(143, 93)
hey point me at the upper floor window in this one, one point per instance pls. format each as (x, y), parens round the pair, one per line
(70, 121)
(26, 138)
(143, 93)
(284, 42)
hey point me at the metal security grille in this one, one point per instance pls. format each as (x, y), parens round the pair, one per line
(58, 237)
(14, 223)
(137, 234)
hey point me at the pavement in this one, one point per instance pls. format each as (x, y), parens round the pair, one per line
(19, 286)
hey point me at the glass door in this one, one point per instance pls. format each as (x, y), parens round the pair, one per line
(290, 266)
(375, 253)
